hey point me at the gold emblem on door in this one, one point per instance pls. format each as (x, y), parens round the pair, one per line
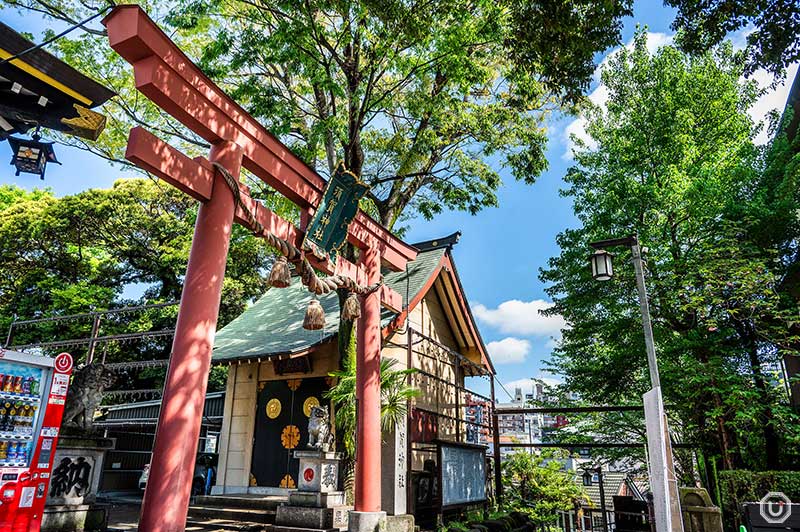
(273, 408)
(308, 404)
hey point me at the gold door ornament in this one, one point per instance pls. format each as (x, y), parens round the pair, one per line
(288, 482)
(273, 408)
(308, 404)
(294, 384)
(290, 437)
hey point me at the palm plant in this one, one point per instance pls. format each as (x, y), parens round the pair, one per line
(395, 394)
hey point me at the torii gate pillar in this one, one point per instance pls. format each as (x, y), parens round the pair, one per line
(170, 483)
(367, 515)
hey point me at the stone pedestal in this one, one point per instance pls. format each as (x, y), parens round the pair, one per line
(74, 481)
(319, 471)
(316, 505)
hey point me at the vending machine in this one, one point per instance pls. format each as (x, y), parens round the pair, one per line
(33, 390)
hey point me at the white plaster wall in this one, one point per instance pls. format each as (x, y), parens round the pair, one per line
(237, 429)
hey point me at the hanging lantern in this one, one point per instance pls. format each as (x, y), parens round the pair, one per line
(602, 269)
(351, 309)
(280, 276)
(31, 156)
(315, 316)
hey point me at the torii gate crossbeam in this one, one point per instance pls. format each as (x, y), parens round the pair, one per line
(166, 76)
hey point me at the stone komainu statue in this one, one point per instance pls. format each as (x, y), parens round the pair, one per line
(85, 394)
(319, 429)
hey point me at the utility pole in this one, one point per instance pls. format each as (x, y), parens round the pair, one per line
(644, 306)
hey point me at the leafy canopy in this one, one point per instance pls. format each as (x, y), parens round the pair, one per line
(772, 43)
(71, 255)
(427, 101)
(671, 158)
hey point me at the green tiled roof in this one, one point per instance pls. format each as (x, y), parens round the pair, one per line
(274, 324)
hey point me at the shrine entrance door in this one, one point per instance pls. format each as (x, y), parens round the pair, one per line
(281, 427)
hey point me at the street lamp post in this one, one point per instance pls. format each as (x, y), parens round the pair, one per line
(663, 482)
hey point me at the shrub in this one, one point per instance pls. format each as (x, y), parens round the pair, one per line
(537, 486)
(738, 487)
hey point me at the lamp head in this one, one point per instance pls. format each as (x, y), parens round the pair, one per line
(31, 155)
(602, 268)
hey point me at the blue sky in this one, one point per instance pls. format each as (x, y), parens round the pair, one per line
(501, 250)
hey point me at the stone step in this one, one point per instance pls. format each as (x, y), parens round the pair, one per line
(224, 525)
(276, 528)
(263, 502)
(255, 515)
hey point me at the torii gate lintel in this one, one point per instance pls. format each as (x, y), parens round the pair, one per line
(195, 177)
(167, 76)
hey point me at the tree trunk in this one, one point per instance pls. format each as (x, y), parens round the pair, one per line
(722, 431)
(771, 439)
(345, 327)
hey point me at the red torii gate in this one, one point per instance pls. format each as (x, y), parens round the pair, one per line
(166, 76)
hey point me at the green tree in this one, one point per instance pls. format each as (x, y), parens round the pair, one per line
(538, 485)
(671, 158)
(771, 44)
(424, 100)
(70, 255)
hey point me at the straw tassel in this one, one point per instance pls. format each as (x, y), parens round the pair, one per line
(315, 316)
(280, 276)
(351, 310)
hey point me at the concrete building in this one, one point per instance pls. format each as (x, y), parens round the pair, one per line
(478, 417)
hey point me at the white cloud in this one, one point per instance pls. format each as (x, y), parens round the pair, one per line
(739, 38)
(509, 350)
(521, 317)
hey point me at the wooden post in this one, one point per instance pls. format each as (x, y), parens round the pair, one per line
(166, 498)
(457, 368)
(498, 483)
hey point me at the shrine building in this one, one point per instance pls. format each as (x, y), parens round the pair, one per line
(278, 370)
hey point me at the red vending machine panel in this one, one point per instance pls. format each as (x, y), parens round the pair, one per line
(33, 390)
